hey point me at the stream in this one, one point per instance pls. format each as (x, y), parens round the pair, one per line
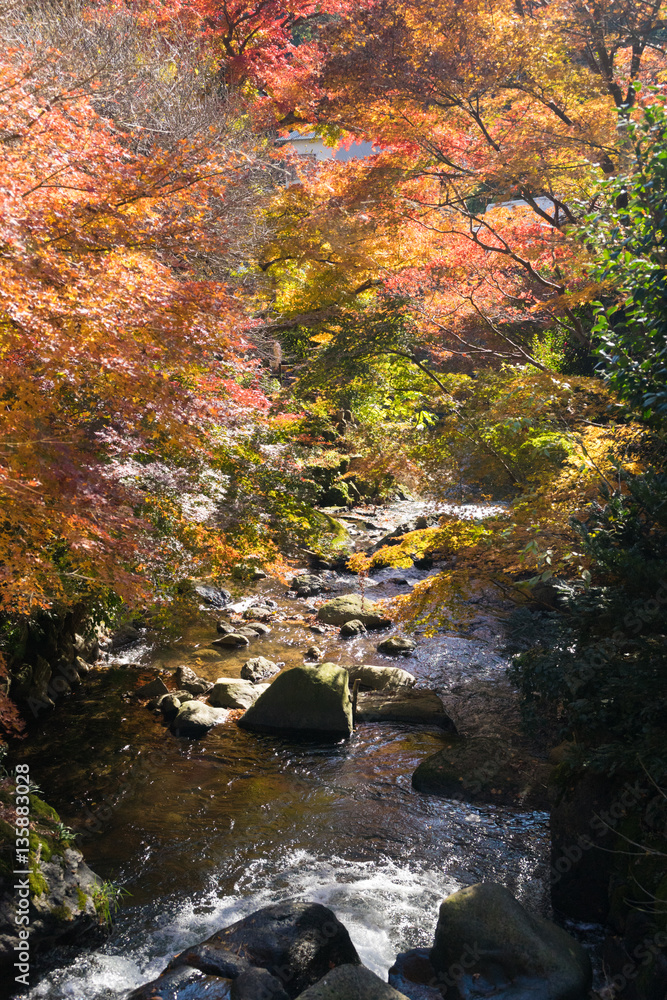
(203, 832)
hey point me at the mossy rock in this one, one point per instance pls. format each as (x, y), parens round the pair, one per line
(351, 607)
(304, 700)
(490, 945)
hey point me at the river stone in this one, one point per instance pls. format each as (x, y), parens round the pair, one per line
(187, 679)
(307, 585)
(260, 627)
(484, 769)
(153, 689)
(232, 639)
(396, 646)
(230, 692)
(258, 613)
(225, 628)
(184, 984)
(413, 974)
(352, 628)
(257, 984)
(416, 706)
(251, 633)
(304, 700)
(124, 635)
(351, 982)
(215, 597)
(195, 719)
(314, 653)
(490, 945)
(296, 942)
(380, 678)
(169, 704)
(258, 669)
(344, 609)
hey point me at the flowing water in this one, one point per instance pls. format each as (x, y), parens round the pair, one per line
(202, 832)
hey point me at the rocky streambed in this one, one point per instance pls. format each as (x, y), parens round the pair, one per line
(204, 831)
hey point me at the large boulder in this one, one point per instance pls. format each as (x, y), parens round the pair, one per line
(195, 719)
(351, 982)
(414, 706)
(380, 678)
(486, 944)
(297, 943)
(353, 606)
(258, 669)
(306, 700)
(230, 692)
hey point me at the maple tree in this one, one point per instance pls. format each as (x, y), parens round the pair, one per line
(495, 121)
(126, 370)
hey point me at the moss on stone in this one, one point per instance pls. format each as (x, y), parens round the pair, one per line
(62, 913)
(82, 899)
(40, 808)
(37, 882)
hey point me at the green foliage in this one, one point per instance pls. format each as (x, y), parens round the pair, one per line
(629, 240)
(598, 666)
(107, 897)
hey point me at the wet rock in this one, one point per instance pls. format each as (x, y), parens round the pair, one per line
(184, 984)
(258, 613)
(232, 639)
(257, 984)
(380, 678)
(124, 636)
(317, 629)
(169, 704)
(304, 700)
(314, 653)
(487, 943)
(212, 959)
(195, 719)
(187, 680)
(307, 585)
(351, 982)
(296, 942)
(82, 666)
(353, 606)
(484, 769)
(413, 975)
(153, 689)
(61, 906)
(260, 628)
(230, 692)
(225, 628)
(87, 649)
(352, 628)
(250, 633)
(415, 706)
(396, 645)
(258, 669)
(215, 597)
